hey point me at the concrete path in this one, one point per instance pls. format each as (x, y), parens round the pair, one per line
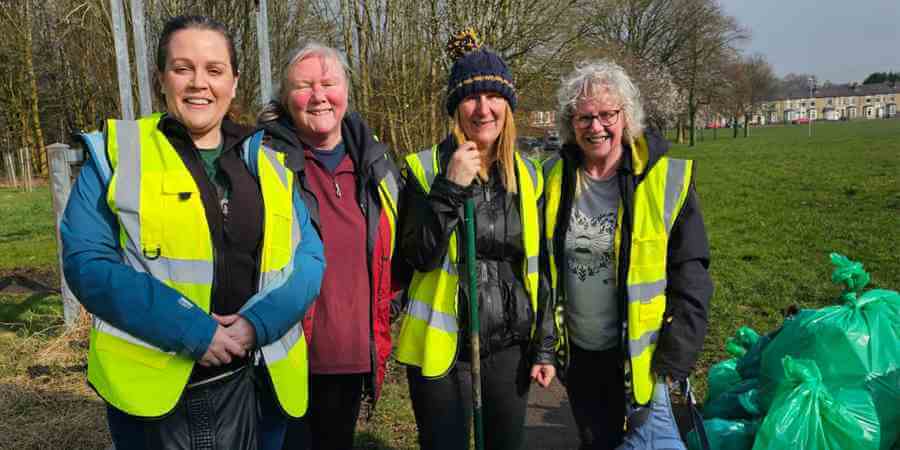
(549, 424)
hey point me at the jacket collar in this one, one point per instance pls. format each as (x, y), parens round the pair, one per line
(232, 133)
(358, 140)
(638, 155)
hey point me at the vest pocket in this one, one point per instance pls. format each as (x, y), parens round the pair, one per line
(185, 229)
(647, 279)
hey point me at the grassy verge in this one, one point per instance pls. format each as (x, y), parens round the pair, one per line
(27, 234)
(775, 205)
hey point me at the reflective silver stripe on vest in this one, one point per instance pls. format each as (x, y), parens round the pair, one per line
(549, 164)
(532, 173)
(532, 264)
(448, 266)
(637, 346)
(393, 191)
(436, 319)
(177, 270)
(644, 292)
(426, 159)
(279, 168)
(674, 181)
(104, 327)
(128, 187)
(279, 349)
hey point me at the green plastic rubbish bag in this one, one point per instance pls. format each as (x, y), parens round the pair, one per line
(723, 375)
(738, 402)
(749, 365)
(805, 415)
(725, 435)
(743, 340)
(885, 392)
(850, 343)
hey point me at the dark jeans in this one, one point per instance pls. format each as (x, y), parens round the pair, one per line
(230, 413)
(330, 421)
(443, 406)
(596, 387)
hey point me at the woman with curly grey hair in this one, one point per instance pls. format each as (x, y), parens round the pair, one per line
(629, 259)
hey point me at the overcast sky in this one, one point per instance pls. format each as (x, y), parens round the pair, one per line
(836, 40)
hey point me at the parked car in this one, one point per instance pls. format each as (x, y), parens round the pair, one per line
(552, 143)
(528, 144)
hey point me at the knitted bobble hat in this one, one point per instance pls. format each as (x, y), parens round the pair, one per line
(476, 70)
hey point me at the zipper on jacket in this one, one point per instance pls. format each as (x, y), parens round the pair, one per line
(337, 188)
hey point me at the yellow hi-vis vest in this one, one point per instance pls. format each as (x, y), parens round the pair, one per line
(658, 199)
(429, 329)
(164, 232)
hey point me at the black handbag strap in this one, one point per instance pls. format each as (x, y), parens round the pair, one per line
(696, 418)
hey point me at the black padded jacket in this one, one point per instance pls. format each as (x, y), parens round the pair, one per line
(505, 311)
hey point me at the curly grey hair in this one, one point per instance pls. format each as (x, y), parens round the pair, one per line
(591, 80)
(278, 107)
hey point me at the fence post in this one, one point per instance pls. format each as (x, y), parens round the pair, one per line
(25, 163)
(61, 156)
(11, 168)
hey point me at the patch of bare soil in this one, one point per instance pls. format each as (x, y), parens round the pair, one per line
(28, 281)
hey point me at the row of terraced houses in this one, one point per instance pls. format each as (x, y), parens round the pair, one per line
(832, 102)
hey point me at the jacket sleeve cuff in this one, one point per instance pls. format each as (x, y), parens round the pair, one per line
(259, 327)
(197, 338)
(449, 191)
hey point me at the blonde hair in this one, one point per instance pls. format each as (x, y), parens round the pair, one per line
(503, 150)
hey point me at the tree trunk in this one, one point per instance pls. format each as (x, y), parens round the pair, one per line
(38, 154)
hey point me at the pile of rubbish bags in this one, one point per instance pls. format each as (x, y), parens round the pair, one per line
(828, 379)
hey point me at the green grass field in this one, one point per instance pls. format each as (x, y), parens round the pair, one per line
(775, 204)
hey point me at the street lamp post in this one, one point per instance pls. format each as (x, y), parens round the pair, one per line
(812, 90)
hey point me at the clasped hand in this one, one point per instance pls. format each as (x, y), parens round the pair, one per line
(234, 337)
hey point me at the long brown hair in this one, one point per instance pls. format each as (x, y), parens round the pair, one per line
(503, 150)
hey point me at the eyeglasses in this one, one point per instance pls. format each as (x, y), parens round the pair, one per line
(606, 118)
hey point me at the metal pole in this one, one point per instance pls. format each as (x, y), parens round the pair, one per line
(265, 63)
(60, 187)
(474, 325)
(140, 57)
(123, 65)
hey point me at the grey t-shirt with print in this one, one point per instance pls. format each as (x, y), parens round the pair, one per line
(592, 312)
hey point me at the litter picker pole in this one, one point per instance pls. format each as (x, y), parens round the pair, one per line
(474, 326)
(474, 323)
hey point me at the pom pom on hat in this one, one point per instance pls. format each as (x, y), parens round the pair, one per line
(476, 70)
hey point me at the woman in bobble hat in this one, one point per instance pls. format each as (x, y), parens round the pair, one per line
(476, 160)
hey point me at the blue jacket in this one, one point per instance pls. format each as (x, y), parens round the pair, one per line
(148, 309)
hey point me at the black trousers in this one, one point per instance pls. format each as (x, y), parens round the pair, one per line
(596, 387)
(443, 406)
(330, 421)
